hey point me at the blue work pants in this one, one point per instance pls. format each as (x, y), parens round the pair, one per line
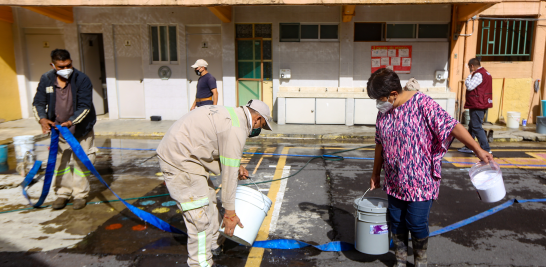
(409, 215)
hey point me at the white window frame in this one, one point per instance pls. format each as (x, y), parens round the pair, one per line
(159, 62)
(416, 39)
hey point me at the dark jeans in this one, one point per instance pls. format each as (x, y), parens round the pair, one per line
(204, 103)
(409, 215)
(475, 128)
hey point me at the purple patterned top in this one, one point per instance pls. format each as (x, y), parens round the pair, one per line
(415, 136)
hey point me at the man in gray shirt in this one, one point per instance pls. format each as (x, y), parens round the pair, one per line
(65, 97)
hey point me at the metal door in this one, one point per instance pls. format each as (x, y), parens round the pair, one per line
(129, 71)
(39, 49)
(207, 46)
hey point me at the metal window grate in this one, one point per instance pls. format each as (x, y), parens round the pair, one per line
(508, 38)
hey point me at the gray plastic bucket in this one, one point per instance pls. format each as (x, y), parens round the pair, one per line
(541, 124)
(371, 228)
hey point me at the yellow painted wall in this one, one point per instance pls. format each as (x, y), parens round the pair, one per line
(517, 96)
(10, 107)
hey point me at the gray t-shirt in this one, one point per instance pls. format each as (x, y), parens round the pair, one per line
(64, 106)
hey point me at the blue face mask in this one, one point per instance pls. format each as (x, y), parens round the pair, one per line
(255, 132)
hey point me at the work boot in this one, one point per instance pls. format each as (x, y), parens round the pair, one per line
(420, 251)
(59, 203)
(217, 252)
(79, 204)
(400, 249)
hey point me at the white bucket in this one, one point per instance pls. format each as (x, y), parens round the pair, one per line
(371, 228)
(251, 206)
(23, 144)
(487, 178)
(512, 119)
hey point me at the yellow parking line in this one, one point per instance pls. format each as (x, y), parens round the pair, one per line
(256, 254)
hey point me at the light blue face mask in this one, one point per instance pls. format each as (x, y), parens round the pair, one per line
(384, 106)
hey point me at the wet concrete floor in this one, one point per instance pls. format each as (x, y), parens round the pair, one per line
(315, 207)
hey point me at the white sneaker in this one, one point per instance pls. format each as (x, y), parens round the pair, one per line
(465, 149)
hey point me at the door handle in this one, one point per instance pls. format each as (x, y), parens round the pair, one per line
(190, 81)
(141, 80)
(312, 111)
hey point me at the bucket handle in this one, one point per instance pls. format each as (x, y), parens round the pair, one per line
(364, 195)
(263, 199)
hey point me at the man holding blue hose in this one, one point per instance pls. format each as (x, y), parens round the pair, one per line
(208, 139)
(65, 97)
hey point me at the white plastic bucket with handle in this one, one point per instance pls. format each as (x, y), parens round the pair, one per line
(371, 228)
(487, 178)
(251, 206)
(24, 144)
(512, 119)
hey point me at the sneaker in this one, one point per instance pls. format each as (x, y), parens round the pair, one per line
(465, 149)
(59, 203)
(79, 204)
(490, 137)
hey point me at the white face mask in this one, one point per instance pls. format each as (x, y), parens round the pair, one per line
(65, 73)
(384, 106)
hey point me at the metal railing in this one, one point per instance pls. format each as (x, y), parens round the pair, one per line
(514, 37)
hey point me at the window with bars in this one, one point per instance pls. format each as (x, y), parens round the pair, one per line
(163, 44)
(505, 39)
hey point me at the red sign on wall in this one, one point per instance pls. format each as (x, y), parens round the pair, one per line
(395, 57)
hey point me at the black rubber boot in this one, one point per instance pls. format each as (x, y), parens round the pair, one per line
(400, 249)
(420, 251)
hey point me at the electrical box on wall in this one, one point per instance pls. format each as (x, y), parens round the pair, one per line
(285, 74)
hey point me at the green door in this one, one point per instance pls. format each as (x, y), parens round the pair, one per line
(249, 70)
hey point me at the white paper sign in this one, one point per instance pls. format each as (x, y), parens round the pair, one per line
(376, 63)
(406, 62)
(392, 53)
(403, 53)
(385, 61)
(379, 53)
(390, 68)
(395, 61)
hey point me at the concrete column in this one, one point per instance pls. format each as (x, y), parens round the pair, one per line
(72, 44)
(450, 107)
(21, 67)
(228, 63)
(349, 111)
(110, 65)
(281, 111)
(276, 67)
(346, 51)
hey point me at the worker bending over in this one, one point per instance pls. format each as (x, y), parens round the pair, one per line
(208, 139)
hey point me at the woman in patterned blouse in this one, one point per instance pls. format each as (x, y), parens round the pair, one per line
(412, 135)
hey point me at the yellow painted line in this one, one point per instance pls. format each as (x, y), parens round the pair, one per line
(256, 254)
(257, 165)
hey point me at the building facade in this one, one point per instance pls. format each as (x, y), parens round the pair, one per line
(309, 62)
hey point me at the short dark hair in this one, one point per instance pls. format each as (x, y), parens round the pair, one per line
(474, 62)
(59, 55)
(382, 82)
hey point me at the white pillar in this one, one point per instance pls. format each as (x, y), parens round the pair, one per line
(346, 54)
(228, 63)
